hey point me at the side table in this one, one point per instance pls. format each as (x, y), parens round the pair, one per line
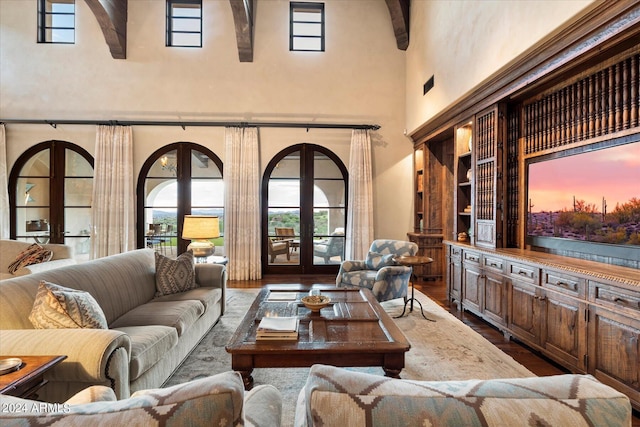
(29, 378)
(411, 261)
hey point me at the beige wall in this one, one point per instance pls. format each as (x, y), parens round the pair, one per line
(359, 79)
(463, 42)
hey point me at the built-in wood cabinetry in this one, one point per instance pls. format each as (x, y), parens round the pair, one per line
(568, 95)
(584, 315)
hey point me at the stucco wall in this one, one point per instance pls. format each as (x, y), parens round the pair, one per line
(359, 79)
(463, 42)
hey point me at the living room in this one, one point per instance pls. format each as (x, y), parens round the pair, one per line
(365, 76)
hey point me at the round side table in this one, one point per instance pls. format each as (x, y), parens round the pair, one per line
(413, 261)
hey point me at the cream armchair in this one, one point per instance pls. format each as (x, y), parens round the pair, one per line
(218, 400)
(379, 272)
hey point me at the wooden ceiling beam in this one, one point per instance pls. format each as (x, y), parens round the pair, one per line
(399, 11)
(112, 18)
(243, 19)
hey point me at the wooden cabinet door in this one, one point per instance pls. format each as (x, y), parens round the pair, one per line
(524, 311)
(472, 289)
(495, 298)
(489, 138)
(564, 333)
(614, 350)
(455, 280)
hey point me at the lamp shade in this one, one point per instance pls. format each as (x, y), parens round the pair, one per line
(200, 227)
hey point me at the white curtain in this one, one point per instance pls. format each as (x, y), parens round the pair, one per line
(360, 216)
(4, 191)
(242, 203)
(113, 207)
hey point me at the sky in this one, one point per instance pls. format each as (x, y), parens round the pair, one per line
(612, 173)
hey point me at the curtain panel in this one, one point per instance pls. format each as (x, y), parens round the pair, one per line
(4, 190)
(242, 203)
(113, 206)
(360, 199)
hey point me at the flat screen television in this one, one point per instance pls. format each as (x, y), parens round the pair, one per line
(587, 204)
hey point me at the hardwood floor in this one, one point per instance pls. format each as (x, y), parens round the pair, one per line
(532, 360)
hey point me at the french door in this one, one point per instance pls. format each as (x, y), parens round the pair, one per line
(51, 188)
(304, 211)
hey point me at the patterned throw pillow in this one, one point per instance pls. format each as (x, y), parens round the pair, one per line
(175, 275)
(34, 254)
(376, 261)
(57, 307)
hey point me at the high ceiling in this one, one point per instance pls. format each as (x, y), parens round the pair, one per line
(112, 17)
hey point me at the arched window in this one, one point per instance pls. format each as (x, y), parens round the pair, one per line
(177, 180)
(304, 212)
(51, 187)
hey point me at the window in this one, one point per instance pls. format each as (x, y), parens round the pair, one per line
(184, 23)
(306, 27)
(56, 21)
(51, 186)
(179, 179)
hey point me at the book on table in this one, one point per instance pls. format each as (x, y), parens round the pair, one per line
(278, 328)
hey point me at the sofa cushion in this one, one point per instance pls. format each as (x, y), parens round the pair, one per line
(33, 254)
(175, 275)
(58, 307)
(376, 261)
(372, 400)
(148, 345)
(180, 315)
(207, 296)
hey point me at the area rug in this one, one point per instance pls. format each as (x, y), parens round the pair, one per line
(446, 349)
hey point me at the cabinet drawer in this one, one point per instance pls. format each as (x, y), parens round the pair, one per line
(564, 283)
(523, 272)
(493, 263)
(455, 252)
(614, 297)
(471, 257)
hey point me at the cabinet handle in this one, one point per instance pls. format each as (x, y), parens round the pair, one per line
(564, 285)
(523, 273)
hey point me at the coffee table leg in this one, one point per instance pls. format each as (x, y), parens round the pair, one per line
(243, 364)
(393, 364)
(392, 373)
(247, 379)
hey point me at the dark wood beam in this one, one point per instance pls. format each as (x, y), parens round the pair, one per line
(399, 11)
(243, 19)
(112, 18)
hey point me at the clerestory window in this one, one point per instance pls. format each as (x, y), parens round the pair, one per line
(306, 27)
(184, 23)
(56, 21)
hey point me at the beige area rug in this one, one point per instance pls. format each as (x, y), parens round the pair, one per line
(446, 349)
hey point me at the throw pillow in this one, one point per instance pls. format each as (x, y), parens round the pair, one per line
(376, 261)
(57, 307)
(34, 254)
(175, 275)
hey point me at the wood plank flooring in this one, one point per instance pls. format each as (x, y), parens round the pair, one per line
(532, 360)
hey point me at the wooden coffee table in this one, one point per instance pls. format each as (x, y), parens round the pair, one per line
(354, 330)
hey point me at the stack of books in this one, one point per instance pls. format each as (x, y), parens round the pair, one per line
(277, 328)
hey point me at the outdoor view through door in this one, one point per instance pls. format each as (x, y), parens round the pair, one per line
(304, 214)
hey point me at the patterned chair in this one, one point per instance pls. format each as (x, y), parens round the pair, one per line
(379, 272)
(217, 400)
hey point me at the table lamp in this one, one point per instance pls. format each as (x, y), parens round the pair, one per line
(199, 229)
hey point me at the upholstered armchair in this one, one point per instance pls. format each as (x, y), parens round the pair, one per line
(214, 401)
(333, 246)
(379, 272)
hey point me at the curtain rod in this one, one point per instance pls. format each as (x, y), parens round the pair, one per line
(184, 124)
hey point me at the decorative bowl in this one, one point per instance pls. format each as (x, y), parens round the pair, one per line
(315, 302)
